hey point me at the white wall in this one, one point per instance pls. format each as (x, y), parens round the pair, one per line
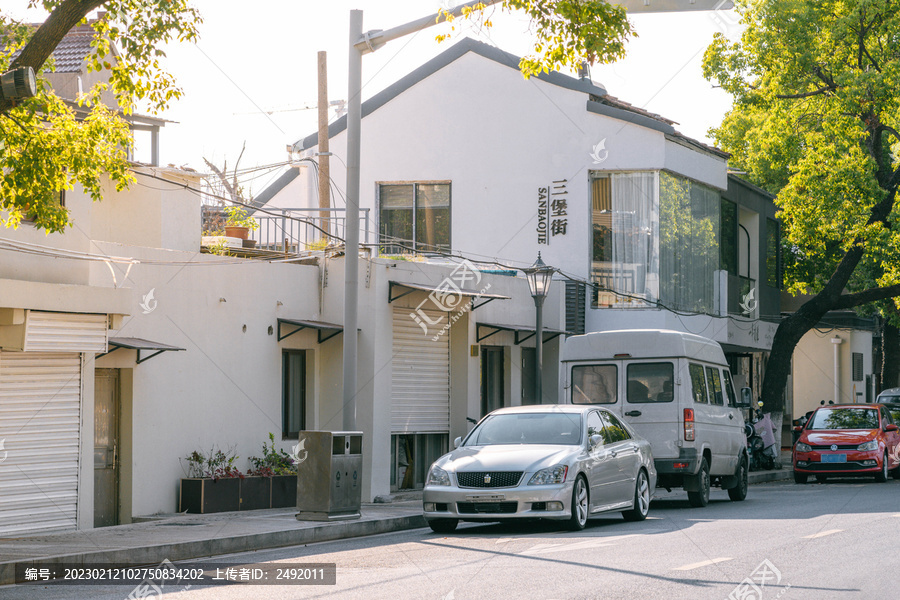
(813, 373)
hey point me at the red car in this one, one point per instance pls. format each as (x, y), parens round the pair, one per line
(847, 440)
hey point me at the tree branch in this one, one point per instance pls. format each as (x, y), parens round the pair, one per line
(871, 295)
(821, 90)
(48, 36)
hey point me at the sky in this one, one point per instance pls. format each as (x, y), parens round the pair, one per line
(253, 61)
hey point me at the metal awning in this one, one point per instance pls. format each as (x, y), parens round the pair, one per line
(132, 343)
(522, 332)
(421, 287)
(330, 329)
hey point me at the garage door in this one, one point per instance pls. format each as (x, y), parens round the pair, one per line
(40, 399)
(420, 379)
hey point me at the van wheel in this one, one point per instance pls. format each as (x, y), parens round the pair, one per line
(739, 492)
(700, 498)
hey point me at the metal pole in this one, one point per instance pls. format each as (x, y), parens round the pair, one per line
(351, 222)
(539, 349)
(324, 163)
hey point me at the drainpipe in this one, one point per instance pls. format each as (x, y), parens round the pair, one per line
(836, 340)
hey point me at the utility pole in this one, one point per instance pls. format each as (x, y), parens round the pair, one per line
(324, 154)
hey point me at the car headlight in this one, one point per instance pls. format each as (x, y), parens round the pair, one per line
(871, 445)
(801, 447)
(437, 476)
(549, 475)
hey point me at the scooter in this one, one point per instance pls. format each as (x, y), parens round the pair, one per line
(760, 440)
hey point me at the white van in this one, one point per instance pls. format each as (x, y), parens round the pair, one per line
(675, 389)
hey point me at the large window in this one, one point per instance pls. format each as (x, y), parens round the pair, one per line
(650, 382)
(624, 261)
(728, 231)
(656, 237)
(414, 217)
(594, 384)
(688, 243)
(293, 393)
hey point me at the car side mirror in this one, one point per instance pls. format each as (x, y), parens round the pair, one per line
(457, 442)
(891, 427)
(798, 427)
(745, 399)
(596, 440)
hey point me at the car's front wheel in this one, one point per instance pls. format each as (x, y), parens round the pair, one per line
(580, 504)
(883, 474)
(641, 499)
(800, 477)
(443, 525)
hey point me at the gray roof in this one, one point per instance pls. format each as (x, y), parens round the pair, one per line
(69, 55)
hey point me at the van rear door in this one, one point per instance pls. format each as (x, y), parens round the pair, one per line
(649, 404)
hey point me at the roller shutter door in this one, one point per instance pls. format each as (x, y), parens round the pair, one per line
(420, 379)
(40, 404)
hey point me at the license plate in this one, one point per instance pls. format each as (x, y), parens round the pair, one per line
(834, 458)
(493, 498)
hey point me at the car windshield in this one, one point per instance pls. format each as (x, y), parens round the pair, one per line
(528, 428)
(845, 418)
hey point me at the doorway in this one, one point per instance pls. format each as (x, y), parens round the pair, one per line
(106, 447)
(491, 379)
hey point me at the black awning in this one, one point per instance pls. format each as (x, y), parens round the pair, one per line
(133, 343)
(329, 329)
(422, 287)
(522, 332)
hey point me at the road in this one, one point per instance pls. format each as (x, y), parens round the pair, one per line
(833, 540)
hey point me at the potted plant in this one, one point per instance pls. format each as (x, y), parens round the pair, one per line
(278, 466)
(238, 224)
(213, 483)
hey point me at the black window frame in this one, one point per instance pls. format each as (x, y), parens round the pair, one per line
(412, 246)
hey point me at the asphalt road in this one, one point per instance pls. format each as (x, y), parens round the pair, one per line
(834, 540)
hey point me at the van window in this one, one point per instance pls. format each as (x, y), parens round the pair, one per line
(698, 382)
(729, 388)
(594, 384)
(650, 382)
(715, 386)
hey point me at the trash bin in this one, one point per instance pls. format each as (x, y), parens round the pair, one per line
(329, 479)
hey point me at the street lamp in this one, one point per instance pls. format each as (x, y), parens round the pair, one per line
(539, 277)
(18, 83)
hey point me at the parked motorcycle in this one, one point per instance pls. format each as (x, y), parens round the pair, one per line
(760, 440)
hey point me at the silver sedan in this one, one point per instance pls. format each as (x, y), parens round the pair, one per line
(559, 462)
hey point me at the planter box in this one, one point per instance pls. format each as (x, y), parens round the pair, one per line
(202, 496)
(255, 492)
(237, 232)
(284, 491)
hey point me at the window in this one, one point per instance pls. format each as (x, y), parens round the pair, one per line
(293, 393)
(773, 254)
(57, 198)
(650, 382)
(728, 255)
(729, 388)
(857, 366)
(624, 260)
(715, 386)
(698, 383)
(414, 217)
(594, 384)
(615, 431)
(689, 219)
(595, 426)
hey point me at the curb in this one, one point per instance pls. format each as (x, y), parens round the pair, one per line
(218, 546)
(766, 476)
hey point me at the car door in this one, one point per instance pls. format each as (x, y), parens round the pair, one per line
(650, 405)
(892, 439)
(624, 451)
(602, 469)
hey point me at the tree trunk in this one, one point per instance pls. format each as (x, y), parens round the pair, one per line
(890, 355)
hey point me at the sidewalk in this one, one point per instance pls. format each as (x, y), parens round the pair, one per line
(181, 536)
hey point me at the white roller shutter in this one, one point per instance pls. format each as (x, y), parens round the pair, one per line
(420, 378)
(40, 403)
(65, 332)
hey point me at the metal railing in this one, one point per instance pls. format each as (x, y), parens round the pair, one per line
(300, 229)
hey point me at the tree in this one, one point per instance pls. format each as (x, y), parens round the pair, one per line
(815, 121)
(44, 148)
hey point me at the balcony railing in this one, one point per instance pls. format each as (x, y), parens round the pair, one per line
(739, 288)
(301, 229)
